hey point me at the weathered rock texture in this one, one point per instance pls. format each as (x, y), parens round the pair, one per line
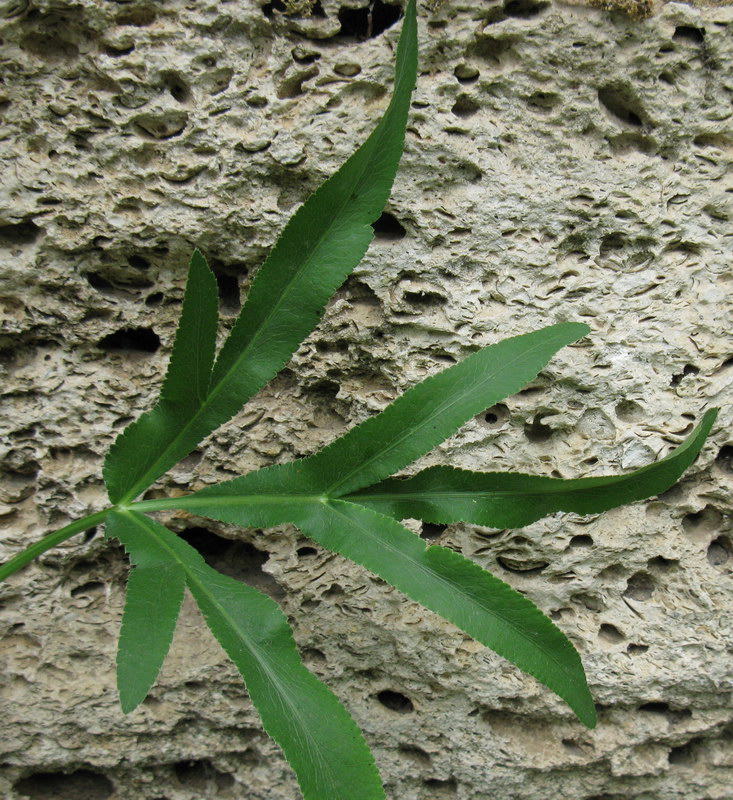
(562, 163)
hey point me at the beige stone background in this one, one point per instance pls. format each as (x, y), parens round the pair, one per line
(562, 162)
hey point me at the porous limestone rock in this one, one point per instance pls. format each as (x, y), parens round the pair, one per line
(563, 162)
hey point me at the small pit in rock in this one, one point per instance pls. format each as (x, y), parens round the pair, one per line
(395, 701)
(388, 228)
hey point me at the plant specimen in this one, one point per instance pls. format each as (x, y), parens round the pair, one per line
(343, 497)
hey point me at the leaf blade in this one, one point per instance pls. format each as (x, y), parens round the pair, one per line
(152, 604)
(422, 417)
(186, 384)
(512, 500)
(317, 250)
(320, 740)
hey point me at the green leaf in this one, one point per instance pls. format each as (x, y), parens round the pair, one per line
(318, 737)
(418, 420)
(153, 600)
(137, 450)
(442, 580)
(509, 500)
(319, 247)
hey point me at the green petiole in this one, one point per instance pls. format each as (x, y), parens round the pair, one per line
(26, 556)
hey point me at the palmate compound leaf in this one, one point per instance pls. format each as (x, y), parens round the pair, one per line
(319, 247)
(511, 500)
(318, 737)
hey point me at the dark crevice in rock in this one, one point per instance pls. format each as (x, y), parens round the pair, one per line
(395, 701)
(236, 559)
(143, 340)
(369, 21)
(83, 784)
(388, 228)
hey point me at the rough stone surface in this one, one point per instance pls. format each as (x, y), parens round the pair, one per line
(562, 163)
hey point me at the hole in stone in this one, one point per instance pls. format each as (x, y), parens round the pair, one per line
(543, 101)
(19, 234)
(208, 544)
(612, 242)
(662, 564)
(292, 86)
(688, 369)
(154, 299)
(582, 540)
(138, 262)
(465, 106)
(395, 701)
(368, 22)
(414, 753)
(388, 228)
(525, 9)
(229, 298)
(304, 55)
(424, 298)
(707, 520)
(674, 717)
(49, 46)
(613, 572)
(177, 87)
(525, 567)
(142, 340)
(236, 559)
(99, 282)
(304, 552)
(92, 587)
(202, 775)
(614, 100)
(82, 784)
(466, 73)
(441, 789)
(590, 601)
(724, 459)
(116, 52)
(640, 586)
(719, 551)
(270, 8)
(635, 649)
(496, 416)
(537, 431)
(431, 530)
(688, 33)
(139, 17)
(573, 747)
(629, 411)
(655, 707)
(684, 755)
(610, 633)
